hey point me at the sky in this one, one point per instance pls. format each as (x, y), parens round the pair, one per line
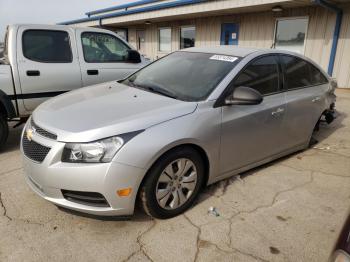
(48, 11)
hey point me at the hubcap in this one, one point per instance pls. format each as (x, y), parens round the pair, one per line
(176, 184)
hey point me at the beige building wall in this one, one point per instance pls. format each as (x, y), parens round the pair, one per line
(342, 59)
(257, 30)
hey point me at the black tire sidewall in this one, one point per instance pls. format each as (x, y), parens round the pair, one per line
(152, 179)
(4, 131)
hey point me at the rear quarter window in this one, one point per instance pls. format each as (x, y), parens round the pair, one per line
(47, 46)
(299, 73)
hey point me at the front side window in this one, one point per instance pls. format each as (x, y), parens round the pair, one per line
(299, 73)
(103, 48)
(47, 46)
(262, 75)
(187, 76)
(164, 39)
(290, 34)
(187, 37)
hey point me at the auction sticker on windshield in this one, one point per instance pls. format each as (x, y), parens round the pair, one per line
(225, 58)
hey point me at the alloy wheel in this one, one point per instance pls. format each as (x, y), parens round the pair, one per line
(176, 184)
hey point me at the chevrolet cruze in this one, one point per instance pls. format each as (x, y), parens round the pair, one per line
(159, 136)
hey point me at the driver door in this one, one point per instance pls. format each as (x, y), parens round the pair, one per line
(103, 57)
(252, 133)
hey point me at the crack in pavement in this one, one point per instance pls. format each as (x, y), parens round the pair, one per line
(141, 245)
(199, 232)
(273, 202)
(4, 208)
(313, 170)
(328, 152)
(15, 219)
(233, 250)
(10, 171)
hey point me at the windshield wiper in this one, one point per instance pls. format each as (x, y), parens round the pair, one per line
(152, 88)
(158, 90)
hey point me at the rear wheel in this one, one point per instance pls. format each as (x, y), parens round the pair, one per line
(4, 131)
(173, 183)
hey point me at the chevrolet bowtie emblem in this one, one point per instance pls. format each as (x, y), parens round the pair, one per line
(30, 133)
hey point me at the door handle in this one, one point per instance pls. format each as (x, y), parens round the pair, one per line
(92, 72)
(277, 112)
(316, 99)
(33, 73)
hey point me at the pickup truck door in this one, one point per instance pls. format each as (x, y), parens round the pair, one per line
(48, 64)
(103, 56)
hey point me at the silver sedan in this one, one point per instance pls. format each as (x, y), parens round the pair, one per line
(159, 136)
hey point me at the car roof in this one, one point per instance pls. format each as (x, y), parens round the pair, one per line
(224, 50)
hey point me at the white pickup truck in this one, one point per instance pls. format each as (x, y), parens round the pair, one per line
(41, 61)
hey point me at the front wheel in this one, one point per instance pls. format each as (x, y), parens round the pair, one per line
(4, 131)
(173, 183)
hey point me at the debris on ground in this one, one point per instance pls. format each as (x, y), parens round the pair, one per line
(213, 211)
(322, 148)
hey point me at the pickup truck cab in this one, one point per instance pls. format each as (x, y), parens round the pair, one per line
(42, 61)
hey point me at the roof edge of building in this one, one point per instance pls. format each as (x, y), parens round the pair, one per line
(117, 7)
(160, 6)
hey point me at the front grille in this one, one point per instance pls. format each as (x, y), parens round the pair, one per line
(42, 131)
(34, 151)
(85, 198)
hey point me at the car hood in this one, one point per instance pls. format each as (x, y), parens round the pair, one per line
(105, 110)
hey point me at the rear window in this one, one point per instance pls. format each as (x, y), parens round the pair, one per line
(47, 46)
(300, 73)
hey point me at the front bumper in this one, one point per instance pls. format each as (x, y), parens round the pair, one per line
(50, 177)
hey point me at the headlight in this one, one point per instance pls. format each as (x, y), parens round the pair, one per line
(101, 151)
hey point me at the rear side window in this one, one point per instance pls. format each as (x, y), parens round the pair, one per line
(47, 46)
(103, 48)
(299, 73)
(262, 75)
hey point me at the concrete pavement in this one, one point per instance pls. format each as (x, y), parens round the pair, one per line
(289, 210)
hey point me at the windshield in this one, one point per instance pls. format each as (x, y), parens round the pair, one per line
(183, 75)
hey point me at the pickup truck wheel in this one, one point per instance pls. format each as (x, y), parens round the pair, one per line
(4, 131)
(173, 183)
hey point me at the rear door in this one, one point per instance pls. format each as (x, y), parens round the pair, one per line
(306, 98)
(47, 63)
(252, 133)
(103, 56)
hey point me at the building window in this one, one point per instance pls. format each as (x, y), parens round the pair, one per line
(290, 34)
(164, 39)
(187, 36)
(122, 33)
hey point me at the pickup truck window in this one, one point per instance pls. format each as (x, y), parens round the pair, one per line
(47, 46)
(103, 48)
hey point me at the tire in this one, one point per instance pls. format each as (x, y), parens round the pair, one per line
(166, 177)
(4, 131)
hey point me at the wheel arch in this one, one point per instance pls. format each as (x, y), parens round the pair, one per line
(6, 106)
(199, 149)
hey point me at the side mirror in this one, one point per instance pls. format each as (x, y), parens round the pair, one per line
(133, 56)
(244, 96)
